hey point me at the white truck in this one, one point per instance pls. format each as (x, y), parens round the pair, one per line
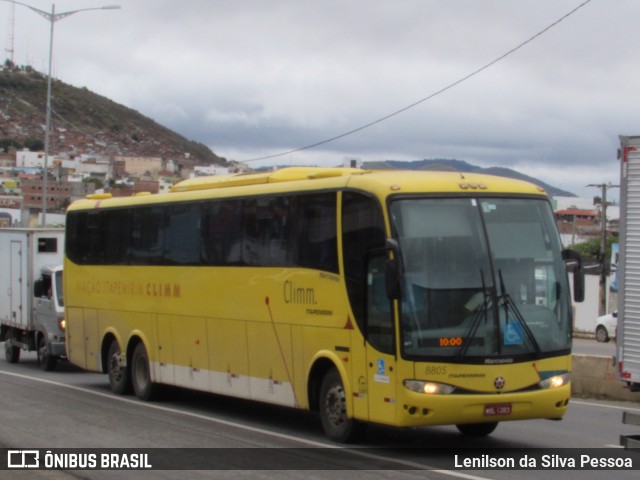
(31, 300)
(628, 327)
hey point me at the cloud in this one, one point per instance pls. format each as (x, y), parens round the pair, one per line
(254, 78)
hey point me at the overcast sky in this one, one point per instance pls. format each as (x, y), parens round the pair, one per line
(260, 77)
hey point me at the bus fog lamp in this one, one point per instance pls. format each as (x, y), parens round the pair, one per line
(429, 388)
(555, 381)
(62, 324)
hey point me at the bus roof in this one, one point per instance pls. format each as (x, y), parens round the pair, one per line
(244, 179)
(294, 179)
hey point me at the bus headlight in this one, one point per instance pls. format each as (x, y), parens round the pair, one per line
(62, 324)
(430, 388)
(555, 381)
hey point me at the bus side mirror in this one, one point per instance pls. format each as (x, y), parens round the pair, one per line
(578, 273)
(392, 271)
(392, 279)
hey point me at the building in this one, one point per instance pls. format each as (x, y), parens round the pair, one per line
(60, 193)
(139, 186)
(586, 218)
(7, 160)
(28, 159)
(141, 166)
(93, 168)
(208, 170)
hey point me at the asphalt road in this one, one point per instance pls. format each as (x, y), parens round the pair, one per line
(70, 408)
(588, 346)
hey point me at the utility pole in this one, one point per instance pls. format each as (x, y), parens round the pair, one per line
(604, 268)
(52, 18)
(10, 36)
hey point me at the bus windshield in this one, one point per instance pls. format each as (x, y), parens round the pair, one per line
(483, 279)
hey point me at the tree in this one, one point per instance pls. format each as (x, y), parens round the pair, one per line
(98, 183)
(6, 143)
(591, 249)
(34, 144)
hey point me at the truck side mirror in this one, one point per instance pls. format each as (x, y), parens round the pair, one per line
(578, 273)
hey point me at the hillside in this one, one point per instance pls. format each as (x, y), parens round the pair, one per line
(464, 167)
(89, 123)
(86, 122)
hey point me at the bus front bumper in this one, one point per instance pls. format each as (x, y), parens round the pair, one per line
(415, 409)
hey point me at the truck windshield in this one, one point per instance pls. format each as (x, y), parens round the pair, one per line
(483, 279)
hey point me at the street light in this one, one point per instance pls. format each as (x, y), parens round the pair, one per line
(52, 17)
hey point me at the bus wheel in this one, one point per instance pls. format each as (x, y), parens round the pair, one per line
(333, 410)
(46, 361)
(143, 387)
(477, 429)
(118, 375)
(11, 353)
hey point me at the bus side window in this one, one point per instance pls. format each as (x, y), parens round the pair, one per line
(317, 244)
(379, 315)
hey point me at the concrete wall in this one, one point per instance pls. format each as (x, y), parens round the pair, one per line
(595, 377)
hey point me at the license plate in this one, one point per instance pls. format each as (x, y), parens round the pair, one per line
(497, 409)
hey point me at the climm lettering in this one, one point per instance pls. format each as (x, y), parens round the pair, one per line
(298, 295)
(163, 290)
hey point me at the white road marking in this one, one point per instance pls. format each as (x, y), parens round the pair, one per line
(311, 443)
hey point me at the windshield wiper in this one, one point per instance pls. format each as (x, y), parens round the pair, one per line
(510, 306)
(479, 313)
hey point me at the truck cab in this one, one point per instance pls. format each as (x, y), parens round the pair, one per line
(48, 313)
(31, 309)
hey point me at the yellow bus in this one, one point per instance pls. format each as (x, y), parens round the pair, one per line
(399, 298)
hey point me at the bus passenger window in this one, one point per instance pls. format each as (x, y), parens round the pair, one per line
(147, 236)
(183, 236)
(222, 232)
(317, 244)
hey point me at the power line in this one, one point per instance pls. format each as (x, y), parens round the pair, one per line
(75, 127)
(429, 97)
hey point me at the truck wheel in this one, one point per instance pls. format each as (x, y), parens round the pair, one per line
(46, 361)
(477, 429)
(333, 410)
(11, 353)
(118, 374)
(143, 387)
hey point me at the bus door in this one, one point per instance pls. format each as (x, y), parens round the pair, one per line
(382, 375)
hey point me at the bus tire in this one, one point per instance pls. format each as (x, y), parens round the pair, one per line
(333, 410)
(118, 375)
(477, 429)
(46, 361)
(11, 353)
(143, 387)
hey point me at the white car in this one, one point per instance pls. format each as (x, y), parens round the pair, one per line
(606, 327)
